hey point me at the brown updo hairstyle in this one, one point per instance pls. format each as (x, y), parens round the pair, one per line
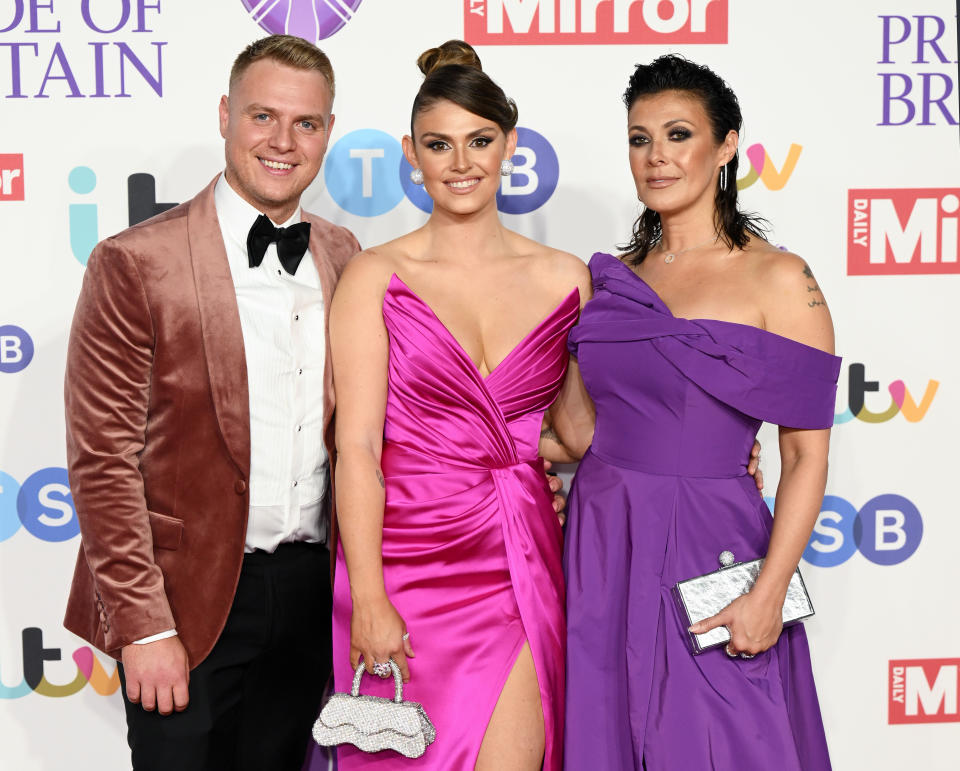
(453, 73)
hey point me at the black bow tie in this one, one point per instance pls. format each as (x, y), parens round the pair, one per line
(292, 242)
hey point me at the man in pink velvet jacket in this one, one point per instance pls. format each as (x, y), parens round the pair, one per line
(199, 400)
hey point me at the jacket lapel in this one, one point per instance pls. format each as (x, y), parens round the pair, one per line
(220, 324)
(328, 280)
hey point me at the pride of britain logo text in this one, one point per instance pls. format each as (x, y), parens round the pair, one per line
(49, 58)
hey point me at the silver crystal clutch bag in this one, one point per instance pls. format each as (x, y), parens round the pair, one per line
(374, 723)
(706, 595)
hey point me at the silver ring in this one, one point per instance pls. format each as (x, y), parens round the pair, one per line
(726, 649)
(747, 655)
(406, 636)
(381, 669)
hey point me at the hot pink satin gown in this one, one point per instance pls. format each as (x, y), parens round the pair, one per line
(471, 544)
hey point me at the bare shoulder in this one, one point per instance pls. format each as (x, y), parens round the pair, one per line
(572, 271)
(368, 272)
(790, 297)
(563, 268)
(784, 274)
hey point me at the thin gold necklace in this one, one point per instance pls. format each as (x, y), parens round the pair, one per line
(671, 256)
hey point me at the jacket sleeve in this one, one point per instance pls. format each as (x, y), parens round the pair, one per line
(107, 390)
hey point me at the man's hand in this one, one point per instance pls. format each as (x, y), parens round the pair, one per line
(753, 465)
(157, 675)
(556, 486)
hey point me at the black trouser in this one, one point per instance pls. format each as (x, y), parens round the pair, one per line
(253, 700)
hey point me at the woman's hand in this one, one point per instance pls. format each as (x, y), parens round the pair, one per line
(378, 633)
(754, 620)
(555, 483)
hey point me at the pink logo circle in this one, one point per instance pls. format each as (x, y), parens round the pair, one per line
(313, 20)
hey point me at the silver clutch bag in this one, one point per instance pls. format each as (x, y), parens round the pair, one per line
(706, 595)
(374, 723)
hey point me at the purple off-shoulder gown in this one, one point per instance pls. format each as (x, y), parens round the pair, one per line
(661, 492)
(471, 543)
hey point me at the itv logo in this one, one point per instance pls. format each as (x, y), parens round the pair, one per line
(593, 22)
(763, 169)
(903, 231)
(36, 654)
(902, 402)
(84, 223)
(924, 691)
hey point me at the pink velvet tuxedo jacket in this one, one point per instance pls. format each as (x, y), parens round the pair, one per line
(158, 428)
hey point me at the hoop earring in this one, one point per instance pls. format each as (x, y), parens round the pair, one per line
(506, 167)
(416, 176)
(723, 177)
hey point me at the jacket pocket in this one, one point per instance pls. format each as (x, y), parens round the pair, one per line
(167, 531)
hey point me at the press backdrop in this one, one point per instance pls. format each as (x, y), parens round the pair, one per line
(850, 148)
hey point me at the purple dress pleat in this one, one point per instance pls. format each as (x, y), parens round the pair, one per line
(661, 492)
(472, 547)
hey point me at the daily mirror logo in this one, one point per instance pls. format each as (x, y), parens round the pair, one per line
(903, 231)
(593, 22)
(11, 177)
(924, 691)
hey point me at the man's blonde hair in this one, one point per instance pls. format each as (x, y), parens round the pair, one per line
(286, 49)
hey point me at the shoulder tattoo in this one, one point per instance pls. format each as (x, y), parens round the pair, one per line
(816, 299)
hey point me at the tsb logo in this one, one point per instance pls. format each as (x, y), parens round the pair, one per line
(924, 691)
(11, 177)
(895, 232)
(42, 505)
(16, 349)
(592, 22)
(367, 174)
(886, 530)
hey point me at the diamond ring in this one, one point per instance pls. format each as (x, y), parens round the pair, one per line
(747, 655)
(726, 649)
(381, 669)
(406, 636)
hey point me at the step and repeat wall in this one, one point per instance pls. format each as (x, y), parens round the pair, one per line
(108, 115)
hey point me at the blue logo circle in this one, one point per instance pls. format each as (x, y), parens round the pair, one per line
(45, 506)
(82, 180)
(361, 172)
(536, 172)
(832, 542)
(16, 349)
(417, 194)
(9, 520)
(888, 529)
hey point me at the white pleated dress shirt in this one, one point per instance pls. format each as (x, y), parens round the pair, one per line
(281, 317)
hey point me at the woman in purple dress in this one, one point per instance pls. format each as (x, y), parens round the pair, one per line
(697, 333)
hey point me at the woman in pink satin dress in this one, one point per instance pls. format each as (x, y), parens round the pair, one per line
(448, 346)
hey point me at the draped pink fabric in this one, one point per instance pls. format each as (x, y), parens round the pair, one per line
(471, 544)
